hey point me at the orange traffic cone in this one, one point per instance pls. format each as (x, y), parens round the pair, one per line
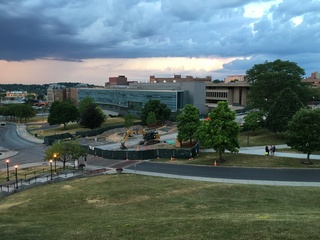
(215, 163)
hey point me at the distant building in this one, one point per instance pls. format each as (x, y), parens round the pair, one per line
(234, 93)
(56, 92)
(178, 78)
(235, 78)
(122, 96)
(132, 98)
(314, 79)
(17, 94)
(120, 80)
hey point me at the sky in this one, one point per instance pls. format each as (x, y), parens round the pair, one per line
(88, 41)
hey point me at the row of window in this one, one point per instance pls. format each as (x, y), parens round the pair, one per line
(217, 94)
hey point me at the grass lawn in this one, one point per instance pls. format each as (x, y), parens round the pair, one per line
(244, 160)
(141, 207)
(261, 137)
(71, 127)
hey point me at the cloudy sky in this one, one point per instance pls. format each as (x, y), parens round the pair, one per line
(47, 41)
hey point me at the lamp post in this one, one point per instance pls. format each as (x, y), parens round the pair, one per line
(7, 161)
(16, 167)
(55, 162)
(51, 168)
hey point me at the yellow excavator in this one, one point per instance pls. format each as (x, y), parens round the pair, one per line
(149, 137)
(125, 138)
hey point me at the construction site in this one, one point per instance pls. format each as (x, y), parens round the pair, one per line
(134, 137)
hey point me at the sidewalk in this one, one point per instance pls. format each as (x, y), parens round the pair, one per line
(259, 150)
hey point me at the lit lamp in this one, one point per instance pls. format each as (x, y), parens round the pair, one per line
(55, 162)
(16, 167)
(7, 161)
(51, 168)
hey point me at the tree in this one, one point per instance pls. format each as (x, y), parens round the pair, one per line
(92, 117)
(303, 133)
(187, 123)
(23, 111)
(219, 131)
(252, 122)
(161, 111)
(128, 120)
(281, 111)
(151, 119)
(84, 104)
(270, 78)
(65, 152)
(63, 113)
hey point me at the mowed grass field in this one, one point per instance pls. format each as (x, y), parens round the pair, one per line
(129, 206)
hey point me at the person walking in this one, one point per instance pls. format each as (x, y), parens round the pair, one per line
(267, 151)
(272, 150)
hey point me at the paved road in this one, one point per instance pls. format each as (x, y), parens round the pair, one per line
(235, 173)
(19, 146)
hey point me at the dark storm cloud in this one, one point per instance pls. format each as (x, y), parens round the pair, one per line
(82, 29)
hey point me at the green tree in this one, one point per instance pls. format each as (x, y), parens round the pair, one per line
(151, 119)
(92, 117)
(84, 104)
(65, 152)
(220, 131)
(161, 111)
(252, 122)
(187, 123)
(281, 111)
(303, 133)
(63, 113)
(270, 78)
(30, 99)
(128, 120)
(23, 111)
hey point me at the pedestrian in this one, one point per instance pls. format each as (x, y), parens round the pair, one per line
(267, 151)
(272, 150)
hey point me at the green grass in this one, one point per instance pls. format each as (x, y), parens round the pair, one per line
(261, 137)
(71, 127)
(140, 207)
(244, 160)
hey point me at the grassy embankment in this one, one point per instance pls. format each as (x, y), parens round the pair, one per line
(141, 207)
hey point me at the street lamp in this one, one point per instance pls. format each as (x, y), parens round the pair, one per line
(51, 168)
(7, 161)
(16, 167)
(55, 162)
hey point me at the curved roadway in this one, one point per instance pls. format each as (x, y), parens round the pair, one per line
(22, 150)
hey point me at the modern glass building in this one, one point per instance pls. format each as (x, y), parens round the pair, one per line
(123, 99)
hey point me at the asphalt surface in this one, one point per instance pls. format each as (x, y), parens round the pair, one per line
(263, 176)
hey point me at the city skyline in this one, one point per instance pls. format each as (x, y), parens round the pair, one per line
(89, 41)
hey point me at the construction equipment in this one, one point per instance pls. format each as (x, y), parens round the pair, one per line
(125, 138)
(149, 137)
